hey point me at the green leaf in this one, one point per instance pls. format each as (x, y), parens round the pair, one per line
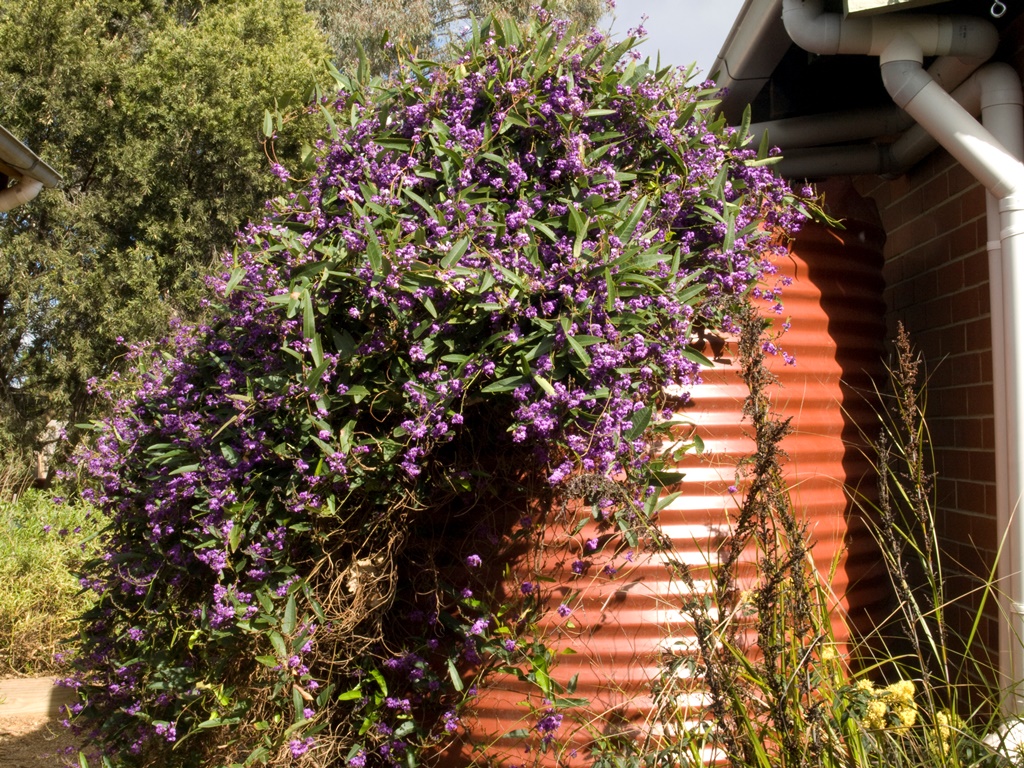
(506, 385)
(358, 392)
(694, 356)
(427, 207)
(577, 221)
(279, 645)
(664, 478)
(626, 229)
(429, 305)
(581, 353)
(567, 701)
(308, 318)
(543, 383)
(542, 679)
(288, 623)
(640, 421)
(547, 231)
(453, 673)
(455, 253)
(236, 277)
(373, 249)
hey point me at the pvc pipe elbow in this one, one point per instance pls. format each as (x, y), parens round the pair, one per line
(999, 84)
(810, 28)
(21, 193)
(904, 79)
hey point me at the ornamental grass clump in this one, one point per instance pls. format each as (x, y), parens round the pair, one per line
(476, 296)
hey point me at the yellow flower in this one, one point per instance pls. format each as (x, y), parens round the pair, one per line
(946, 722)
(874, 717)
(900, 699)
(901, 693)
(896, 700)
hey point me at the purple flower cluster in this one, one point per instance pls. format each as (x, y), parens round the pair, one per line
(547, 726)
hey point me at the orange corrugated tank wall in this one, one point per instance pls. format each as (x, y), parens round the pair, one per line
(622, 627)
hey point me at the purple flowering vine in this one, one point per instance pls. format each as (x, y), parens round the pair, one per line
(495, 268)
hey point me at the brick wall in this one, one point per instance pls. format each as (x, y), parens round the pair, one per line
(936, 273)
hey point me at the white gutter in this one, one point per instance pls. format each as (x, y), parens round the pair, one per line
(750, 54)
(33, 173)
(901, 43)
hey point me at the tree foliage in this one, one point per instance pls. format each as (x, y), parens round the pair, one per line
(151, 110)
(425, 24)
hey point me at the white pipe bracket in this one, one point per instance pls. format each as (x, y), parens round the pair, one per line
(904, 79)
(901, 48)
(1012, 202)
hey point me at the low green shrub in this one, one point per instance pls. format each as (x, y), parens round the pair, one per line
(43, 542)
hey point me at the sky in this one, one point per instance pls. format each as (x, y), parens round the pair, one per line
(684, 31)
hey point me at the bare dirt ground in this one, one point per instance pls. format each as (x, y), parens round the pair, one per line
(35, 741)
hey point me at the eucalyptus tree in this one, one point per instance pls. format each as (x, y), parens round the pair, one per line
(152, 112)
(426, 24)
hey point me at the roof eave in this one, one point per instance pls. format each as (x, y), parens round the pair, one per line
(15, 155)
(751, 52)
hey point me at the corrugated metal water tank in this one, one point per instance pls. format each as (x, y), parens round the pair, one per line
(624, 626)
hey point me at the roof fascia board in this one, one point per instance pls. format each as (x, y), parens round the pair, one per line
(751, 52)
(15, 155)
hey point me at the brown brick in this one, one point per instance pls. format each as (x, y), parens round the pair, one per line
(969, 433)
(960, 179)
(900, 186)
(924, 229)
(951, 462)
(980, 399)
(911, 205)
(935, 193)
(900, 296)
(983, 467)
(949, 278)
(975, 268)
(964, 239)
(978, 333)
(938, 313)
(943, 431)
(914, 321)
(972, 204)
(901, 240)
(954, 341)
(984, 300)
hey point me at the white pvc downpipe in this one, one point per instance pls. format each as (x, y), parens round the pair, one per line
(901, 43)
(1001, 102)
